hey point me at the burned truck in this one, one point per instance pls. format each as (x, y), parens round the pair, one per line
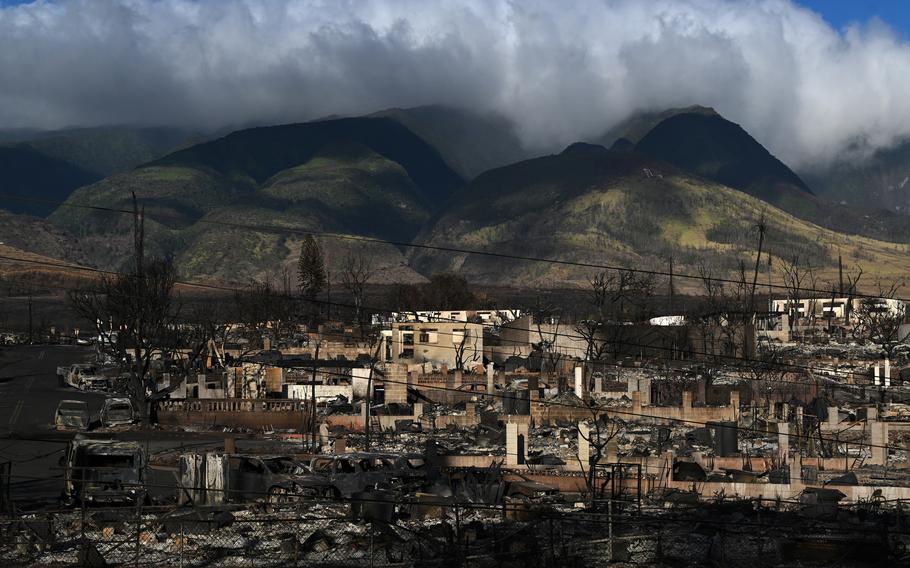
(99, 471)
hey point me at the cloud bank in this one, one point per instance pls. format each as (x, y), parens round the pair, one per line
(562, 71)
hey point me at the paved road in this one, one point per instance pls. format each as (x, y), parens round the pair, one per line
(29, 394)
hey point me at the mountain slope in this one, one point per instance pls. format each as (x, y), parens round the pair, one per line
(715, 148)
(28, 173)
(103, 150)
(632, 129)
(881, 180)
(590, 204)
(367, 176)
(38, 236)
(469, 142)
(254, 155)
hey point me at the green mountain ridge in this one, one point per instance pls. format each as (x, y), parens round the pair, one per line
(593, 205)
(34, 176)
(369, 176)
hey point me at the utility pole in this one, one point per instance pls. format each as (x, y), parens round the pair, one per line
(30, 337)
(762, 227)
(369, 399)
(671, 291)
(313, 401)
(840, 272)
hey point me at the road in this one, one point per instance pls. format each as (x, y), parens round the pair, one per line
(29, 394)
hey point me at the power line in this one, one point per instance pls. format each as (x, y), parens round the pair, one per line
(770, 364)
(424, 246)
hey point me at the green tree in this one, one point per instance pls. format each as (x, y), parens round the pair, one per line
(311, 274)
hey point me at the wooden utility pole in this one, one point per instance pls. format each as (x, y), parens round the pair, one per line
(369, 399)
(314, 429)
(762, 227)
(30, 336)
(840, 273)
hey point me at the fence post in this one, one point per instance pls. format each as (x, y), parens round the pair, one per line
(371, 539)
(458, 533)
(610, 528)
(552, 542)
(138, 533)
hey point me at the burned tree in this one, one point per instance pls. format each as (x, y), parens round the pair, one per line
(546, 319)
(261, 306)
(464, 347)
(879, 320)
(134, 314)
(799, 277)
(356, 271)
(614, 298)
(596, 434)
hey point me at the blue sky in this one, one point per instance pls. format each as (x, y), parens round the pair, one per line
(840, 13)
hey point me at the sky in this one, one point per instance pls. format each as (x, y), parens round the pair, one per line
(815, 81)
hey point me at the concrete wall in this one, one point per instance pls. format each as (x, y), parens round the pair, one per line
(234, 413)
(436, 343)
(323, 392)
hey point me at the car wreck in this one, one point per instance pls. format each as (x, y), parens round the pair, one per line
(117, 411)
(83, 377)
(72, 415)
(98, 471)
(281, 479)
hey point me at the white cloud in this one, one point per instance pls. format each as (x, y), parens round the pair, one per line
(562, 71)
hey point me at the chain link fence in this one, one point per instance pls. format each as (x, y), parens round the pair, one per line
(310, 533)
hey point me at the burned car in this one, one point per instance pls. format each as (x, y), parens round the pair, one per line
(356, 472)
(212, 478)
(82, 377)
(98, 471)
(530, 489)
(116, 411)
(276, 478)
(72, 415)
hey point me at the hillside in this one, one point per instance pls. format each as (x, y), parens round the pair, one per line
(710, 146)
(109, 150)
(632, 129)
(881, 180)
(469, 142)
(103, 150)
(28, 173)
(369, 176)
(590, 204)
(38, 236)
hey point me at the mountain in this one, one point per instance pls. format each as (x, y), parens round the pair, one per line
(711, 146)
(700, 141)
(881, 180)
(633, 128)
(103, 150)
(38, 236)
(356, 176)
(589, 204)
(34, 176)
(469, 142)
